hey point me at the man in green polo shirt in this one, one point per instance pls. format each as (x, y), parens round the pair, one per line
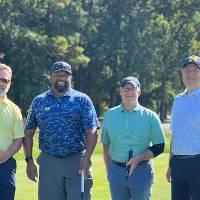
(132, 135)
(11, 134)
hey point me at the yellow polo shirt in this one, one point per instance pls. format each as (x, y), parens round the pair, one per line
(11, 123)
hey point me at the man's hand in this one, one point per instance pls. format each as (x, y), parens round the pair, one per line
(85, 164)
(168, 175)
(31, 170)
(133, 163)
(4, 156)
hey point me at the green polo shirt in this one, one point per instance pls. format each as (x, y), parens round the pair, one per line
(130, 130)
(11, 124)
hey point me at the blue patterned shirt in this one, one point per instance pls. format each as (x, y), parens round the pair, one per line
(62, 121)
(185, 124)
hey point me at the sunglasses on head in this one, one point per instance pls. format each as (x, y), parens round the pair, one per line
(4, 80)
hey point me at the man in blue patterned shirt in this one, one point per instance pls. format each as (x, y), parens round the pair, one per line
(184, 165)
(67, 124)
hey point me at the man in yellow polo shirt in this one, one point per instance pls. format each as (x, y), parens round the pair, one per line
(11, 134)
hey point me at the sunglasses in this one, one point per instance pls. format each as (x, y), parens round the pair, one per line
(4, 80)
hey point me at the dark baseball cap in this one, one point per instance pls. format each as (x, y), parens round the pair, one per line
(131, 80)
(192, 60)
(61, 66)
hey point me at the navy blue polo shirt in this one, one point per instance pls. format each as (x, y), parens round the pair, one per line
(62, 121)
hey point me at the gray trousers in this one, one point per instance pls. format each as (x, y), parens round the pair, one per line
(59, 178)
(136, 187)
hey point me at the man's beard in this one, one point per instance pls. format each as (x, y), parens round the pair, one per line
(60, 87)
(3, 91)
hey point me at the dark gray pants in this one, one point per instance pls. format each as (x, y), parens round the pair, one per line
(185, 175)
(59, 178)
(136, 187)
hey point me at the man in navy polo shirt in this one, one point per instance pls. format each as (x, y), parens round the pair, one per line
(67, 124)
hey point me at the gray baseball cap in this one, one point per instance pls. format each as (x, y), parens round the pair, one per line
(131, 80)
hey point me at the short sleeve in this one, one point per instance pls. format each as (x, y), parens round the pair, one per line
(104, 135)
(31, 121)
(18, 129)
(89, 116)
(157, 133)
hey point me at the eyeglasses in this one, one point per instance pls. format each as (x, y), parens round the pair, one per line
(127, 89)
(4, 80)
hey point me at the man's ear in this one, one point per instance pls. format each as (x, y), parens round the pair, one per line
(139, 92)
(120, 91)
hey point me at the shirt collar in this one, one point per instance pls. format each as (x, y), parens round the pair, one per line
(133, 110)
(69, 92)
(5, 101)
(195, 92)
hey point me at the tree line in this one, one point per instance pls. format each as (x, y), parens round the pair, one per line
(104, 41)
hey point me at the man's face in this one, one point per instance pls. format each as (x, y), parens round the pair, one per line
(60, 81)
(5, 81)
(191, 76)
(129, 93)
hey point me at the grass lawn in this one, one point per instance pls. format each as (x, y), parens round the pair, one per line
(27, 190)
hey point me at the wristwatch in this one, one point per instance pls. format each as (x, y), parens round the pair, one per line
(28, 158)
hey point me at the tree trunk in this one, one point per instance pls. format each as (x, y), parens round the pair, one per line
(163, 99)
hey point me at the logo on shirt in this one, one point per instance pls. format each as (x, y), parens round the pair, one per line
(47, 108)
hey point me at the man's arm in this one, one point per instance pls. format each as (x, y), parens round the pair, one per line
(106, 156)
(28, 142)
(91, 141)
(13, 149)
(15, 146)
(168, 173)
(152, 152)
(31, 169)
(133, 162)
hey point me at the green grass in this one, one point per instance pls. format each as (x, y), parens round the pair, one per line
(27, 190)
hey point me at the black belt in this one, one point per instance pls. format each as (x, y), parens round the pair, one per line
(120, 164)
(186, 156)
